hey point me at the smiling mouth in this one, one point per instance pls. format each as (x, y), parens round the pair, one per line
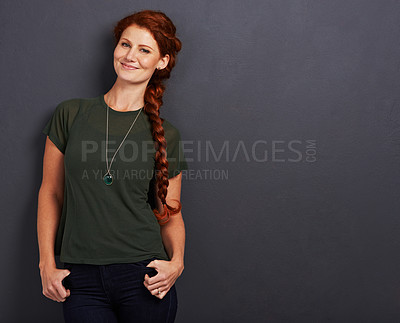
(128, 67)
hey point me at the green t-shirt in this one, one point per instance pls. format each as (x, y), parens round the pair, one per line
(103, 224)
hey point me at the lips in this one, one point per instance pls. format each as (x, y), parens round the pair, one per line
(128, 67)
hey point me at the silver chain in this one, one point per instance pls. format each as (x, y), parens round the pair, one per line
(112, 159)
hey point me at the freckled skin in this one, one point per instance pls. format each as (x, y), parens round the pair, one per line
(137, 48)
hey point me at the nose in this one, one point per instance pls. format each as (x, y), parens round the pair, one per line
(131, 55)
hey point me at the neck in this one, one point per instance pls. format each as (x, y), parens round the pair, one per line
(125, 97)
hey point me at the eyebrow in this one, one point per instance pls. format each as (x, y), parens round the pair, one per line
(139, 44)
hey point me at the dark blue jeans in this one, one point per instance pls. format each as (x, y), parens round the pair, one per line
(115, 293)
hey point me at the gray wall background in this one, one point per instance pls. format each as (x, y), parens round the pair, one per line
(287, 239)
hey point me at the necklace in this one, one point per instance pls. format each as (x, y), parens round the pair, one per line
(108, 178)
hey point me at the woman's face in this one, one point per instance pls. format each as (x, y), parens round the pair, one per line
(137, 56)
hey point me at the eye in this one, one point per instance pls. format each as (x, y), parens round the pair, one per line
(123, 44)
(145, 50)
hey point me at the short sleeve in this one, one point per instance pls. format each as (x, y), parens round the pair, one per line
(175, 156)
(59, 125)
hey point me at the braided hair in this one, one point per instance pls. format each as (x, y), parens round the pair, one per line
(163, 31)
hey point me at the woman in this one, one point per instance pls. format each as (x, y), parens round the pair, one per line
(109, 202)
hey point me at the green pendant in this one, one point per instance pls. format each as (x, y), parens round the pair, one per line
(108, 179)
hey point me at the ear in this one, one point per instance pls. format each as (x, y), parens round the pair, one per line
(163, 62)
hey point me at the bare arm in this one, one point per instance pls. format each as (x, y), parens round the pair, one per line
(173, 236)
(173, 232)
(50, 202)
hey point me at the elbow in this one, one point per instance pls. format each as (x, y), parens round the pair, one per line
(46, 193)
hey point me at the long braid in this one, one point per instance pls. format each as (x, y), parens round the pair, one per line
(163, 30)
(153, 99)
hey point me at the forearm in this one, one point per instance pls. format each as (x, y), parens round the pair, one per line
(173, 236)
(48, 219)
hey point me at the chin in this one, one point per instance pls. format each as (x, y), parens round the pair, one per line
(132, 80)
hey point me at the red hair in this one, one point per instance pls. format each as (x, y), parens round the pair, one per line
(163, 31)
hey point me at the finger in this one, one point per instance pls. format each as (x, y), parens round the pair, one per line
(161, 295)
(66, 272)
(154, 279)
(67, 291)
(153, 264)
(160, 290)
(156, 292)
(61, 291)
(161, 284)
(147, 278)
(158, 287)
(58, 294)
(68, 294)
(53, 294)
